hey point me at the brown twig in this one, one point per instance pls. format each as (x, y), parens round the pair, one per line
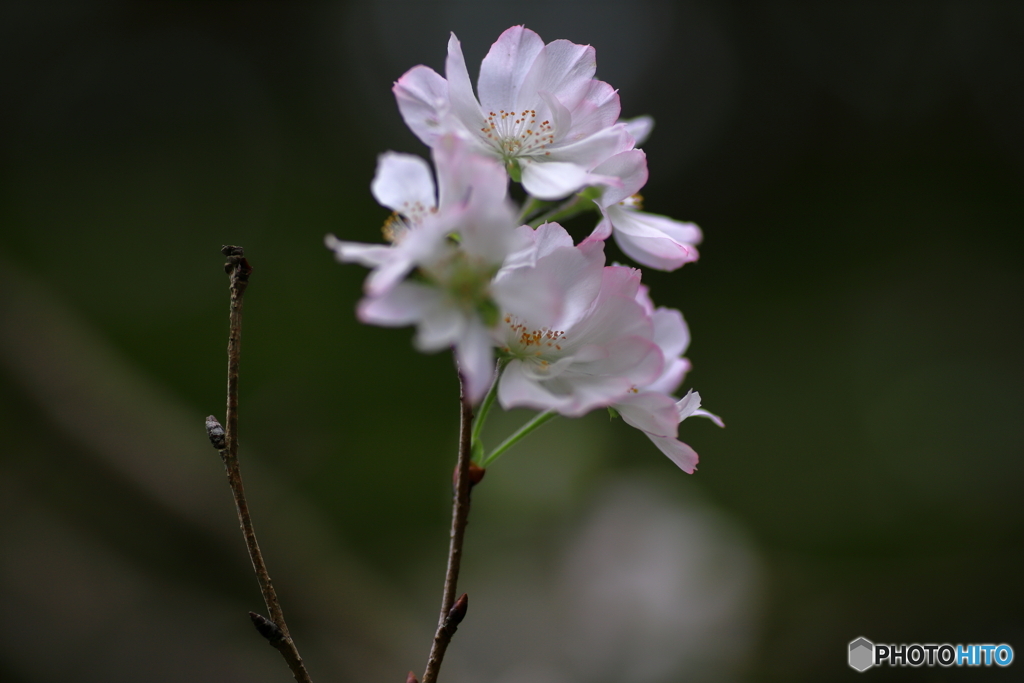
(225, 440)
(452, 610)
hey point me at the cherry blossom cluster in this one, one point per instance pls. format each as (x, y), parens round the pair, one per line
(497, 281)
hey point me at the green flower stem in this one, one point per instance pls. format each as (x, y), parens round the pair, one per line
(511, 441)
(481, 415)
(570, 208)
(531, 205)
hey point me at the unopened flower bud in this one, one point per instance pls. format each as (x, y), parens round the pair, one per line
(266, 627)
(457, 613)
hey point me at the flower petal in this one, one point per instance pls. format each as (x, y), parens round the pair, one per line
(551, 179)
(460, 91)
(592, 150)
(559, 289)
(656, 241)
(401, 305)
(671, 332)
(476, 360)
(598, 110)
(505, 67)
(672, 375)
(640, 128)
(563, 69)
(422, 96)
(440, 325)
(519, 389)
(689, 406)
(650, 412)
(680, 453)
(554, 179)
(403, 183)
(630, 168)
(464, 176)
(369, 255)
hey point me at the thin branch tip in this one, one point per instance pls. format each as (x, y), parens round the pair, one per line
(225, 438)
(237, 266)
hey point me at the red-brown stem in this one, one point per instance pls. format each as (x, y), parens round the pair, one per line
(460, 516)
(239, 269)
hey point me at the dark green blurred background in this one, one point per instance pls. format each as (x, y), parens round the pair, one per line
(856, 316)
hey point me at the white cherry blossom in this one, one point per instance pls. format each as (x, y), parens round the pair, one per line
(649, 239)
(600, 344)
(540, 110)
(455, 244)
(651, 408)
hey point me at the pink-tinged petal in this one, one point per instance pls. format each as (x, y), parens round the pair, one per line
(403, 183)
(671, 332)
(680, 453)
(535, 244)
(549, 237)
(464, 176)
(517, 388)
(526, 255)
(505, 67)
(551, 371)
(631, 168)
(403, 304)
(635, 359)
(700, 412)
(487, 234)
(646, 238)
(552, 180)
(369, 255)
(423, 245)
(672, 375)
(597, 111)
(643, 297)
(460, 91)
(622, 281)
(640, 128)
(526, 293)
(422, 96)
(689, 406)
(388, 274)
(650, 412)
(602, 231)
(590, 393)
(591, 354)
(441, 325)
(593, 150)
(570, 280)
(557, 113)
(563, 69)
(611, 316)
(476, 360)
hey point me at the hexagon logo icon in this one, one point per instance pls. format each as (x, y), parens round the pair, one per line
(862, 654)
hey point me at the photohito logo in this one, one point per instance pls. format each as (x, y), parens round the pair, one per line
(863, 654)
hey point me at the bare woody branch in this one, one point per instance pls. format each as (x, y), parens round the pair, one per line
(452, 610)
(225, 440)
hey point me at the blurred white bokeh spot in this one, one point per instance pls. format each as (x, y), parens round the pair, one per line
(646, 587)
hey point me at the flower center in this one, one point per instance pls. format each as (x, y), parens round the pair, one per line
(540, 345)
(517, 135)
(395, 228)
(634, 202)
(467, 283)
